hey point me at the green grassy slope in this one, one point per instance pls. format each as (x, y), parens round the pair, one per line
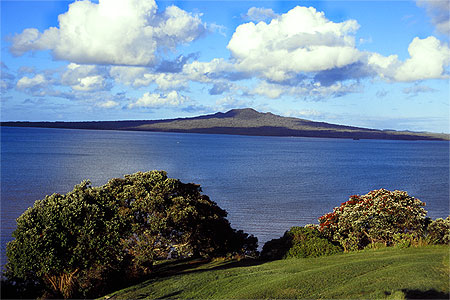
(386, 273)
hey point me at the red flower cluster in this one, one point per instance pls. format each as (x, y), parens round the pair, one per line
(326, 220)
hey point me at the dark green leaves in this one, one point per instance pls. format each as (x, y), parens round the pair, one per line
(73, 243)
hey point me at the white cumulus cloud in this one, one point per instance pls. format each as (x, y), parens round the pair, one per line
(230, 102)
(139, 77)
(164, 81)
(203, 72)
(128, 75)
(260, 14)
(314, 91)
(429, 59)
(83, 78)
(207, 71)
(303, 113)
(37, 81)
(152, 100)
(108, 104)
(301, 40)
(89, 83)
(113, 32)
(303, 43)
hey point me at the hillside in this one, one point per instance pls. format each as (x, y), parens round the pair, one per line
(392, 273)
(243, 122)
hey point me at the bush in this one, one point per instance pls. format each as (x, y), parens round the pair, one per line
(62, 236)
(374, 218)
(76, 244)
(276, 248)
(308, 242)
(403, 240)
(299, 242)
(439, 231)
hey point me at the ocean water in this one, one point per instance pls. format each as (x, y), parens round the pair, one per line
(267, 184)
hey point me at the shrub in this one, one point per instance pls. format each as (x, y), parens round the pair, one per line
(374, 218)
(299, 242)
(439, 231)
(403, 240)
(276, 248)
(308, 242)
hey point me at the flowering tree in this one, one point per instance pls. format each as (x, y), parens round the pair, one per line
(439, 231)
(374, 218)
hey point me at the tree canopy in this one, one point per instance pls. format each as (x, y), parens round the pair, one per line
(72, 243)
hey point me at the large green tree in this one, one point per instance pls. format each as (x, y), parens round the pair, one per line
(169, 217)
(63, 238)
(72, 244)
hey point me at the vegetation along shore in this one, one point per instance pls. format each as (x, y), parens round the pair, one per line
(148, 235)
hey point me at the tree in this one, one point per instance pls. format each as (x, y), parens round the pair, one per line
(74, 244)
(64, 237)
(169, 217)
(374, 218)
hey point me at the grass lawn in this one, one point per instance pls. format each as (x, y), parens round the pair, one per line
(384, 273)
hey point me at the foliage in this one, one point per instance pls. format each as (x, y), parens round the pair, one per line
(403, 240)
(308, 242)
(75, 244)
(275, 248)
(171, 218)
(439, 231)
(374, 218)
(299, 242)
(62, 235)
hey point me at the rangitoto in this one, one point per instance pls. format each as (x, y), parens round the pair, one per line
(245, 121)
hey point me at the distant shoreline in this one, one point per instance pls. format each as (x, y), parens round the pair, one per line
(234, 131)
(247, 122)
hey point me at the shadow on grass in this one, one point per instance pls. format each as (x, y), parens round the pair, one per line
(430, 294)
(186, 266)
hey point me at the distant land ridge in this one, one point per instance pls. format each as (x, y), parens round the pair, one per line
(245, 121)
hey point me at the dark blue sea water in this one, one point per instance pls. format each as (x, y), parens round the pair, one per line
(267, 184)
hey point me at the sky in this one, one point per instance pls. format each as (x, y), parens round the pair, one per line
(376, 64)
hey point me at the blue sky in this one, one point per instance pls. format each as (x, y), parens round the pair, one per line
(378, 64)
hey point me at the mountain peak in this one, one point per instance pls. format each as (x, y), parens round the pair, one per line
(243, 113)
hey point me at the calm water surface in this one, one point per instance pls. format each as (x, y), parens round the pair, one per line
(267, 184)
